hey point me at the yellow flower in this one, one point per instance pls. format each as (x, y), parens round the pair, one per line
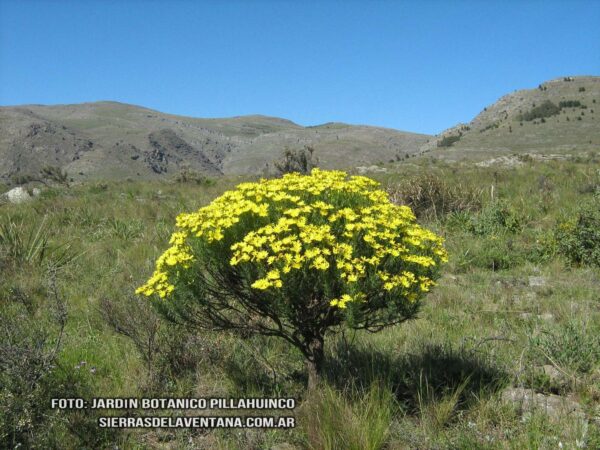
(306, 223)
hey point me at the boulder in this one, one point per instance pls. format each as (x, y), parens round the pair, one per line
(17, 195)
(555, 406)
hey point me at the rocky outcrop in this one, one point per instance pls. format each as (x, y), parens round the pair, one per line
(555, 406)
(168, 150)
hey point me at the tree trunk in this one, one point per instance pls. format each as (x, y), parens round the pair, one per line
(314, 362)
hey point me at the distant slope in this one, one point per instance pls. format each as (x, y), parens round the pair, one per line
(559, 116)
(115, 140)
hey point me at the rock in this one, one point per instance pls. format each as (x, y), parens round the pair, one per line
(546, 316)
(537, 281)
(554, 375)
(284, 446)
(555, 406)
(364, 169)
(17, 195)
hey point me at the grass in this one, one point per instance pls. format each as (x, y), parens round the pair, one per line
(434, 382)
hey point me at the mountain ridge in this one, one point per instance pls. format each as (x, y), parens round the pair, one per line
(110, 139)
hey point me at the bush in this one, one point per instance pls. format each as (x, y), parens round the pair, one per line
(431, 197)
(579, 239)
(187, 175)
(495, 219)
(546, 109)
(301, 161)
(572, 346)
(31, 374)
(447, 141)
(492, 253)
(168, 352)
(297, 257)
(569, 104)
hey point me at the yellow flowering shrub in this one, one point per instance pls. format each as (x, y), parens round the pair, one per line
(295, 256)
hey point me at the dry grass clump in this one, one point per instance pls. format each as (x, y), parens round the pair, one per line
(431, 197)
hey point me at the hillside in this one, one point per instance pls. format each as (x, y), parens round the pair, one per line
(115, 140)
(110, 140)
(559, 116)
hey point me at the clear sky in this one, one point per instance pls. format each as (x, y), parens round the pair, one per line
(419, 66)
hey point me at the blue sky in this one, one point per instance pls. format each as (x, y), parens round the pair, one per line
(418, 66)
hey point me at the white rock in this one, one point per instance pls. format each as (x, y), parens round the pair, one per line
(17, 195)
(366, 169)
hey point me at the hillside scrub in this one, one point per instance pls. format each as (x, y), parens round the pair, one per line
(296, 257)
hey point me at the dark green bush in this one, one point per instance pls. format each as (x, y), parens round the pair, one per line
(495, 219)
(546, 109)
(447, 141)
(578, 239)
(569, 104)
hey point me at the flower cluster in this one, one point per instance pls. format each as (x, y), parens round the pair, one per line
(326, 225)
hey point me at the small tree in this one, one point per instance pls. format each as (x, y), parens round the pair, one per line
(297, 257)
(301, 161)
(54, 173)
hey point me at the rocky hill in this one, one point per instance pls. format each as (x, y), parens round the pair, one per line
(115, 140)
(107, 140)
(559, 116)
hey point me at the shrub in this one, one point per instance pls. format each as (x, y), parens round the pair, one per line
(168, 352)
(301, 161)
(569, 104)
(187, 175)
(496, 218)
(546, 109)
(31, 374)
(579, 239)
(447, 141)
(54, 173)
(431, 197)
(492, 252)
(572, 346)
(297, 257)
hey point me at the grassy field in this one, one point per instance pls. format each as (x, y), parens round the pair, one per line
(518, 306)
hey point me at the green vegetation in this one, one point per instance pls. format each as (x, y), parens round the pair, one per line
(570, 104)
(578, 238)
(519, 293)
(447, 141)
(546, 109)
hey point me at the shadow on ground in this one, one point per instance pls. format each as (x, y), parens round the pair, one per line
(436, 369)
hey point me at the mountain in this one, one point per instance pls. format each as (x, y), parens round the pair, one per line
(110, 140)
(559, 116)
(115, 140)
